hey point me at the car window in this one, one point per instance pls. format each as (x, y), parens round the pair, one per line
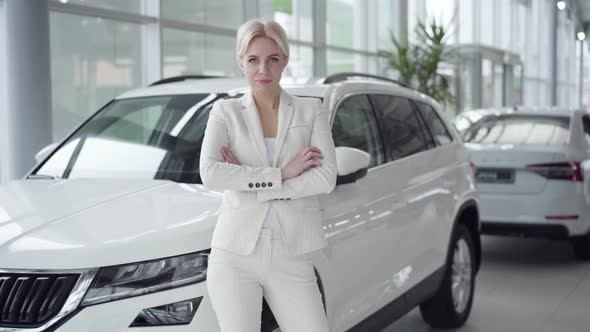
(434, 123)
(137, 125)
(430, 143)
(150, 137)
(519, 129)
(586, 124)
(354, 126)
(403, 134)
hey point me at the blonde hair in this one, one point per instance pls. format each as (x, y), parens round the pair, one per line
(261, 28)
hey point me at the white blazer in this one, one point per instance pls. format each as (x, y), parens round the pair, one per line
(252, 187)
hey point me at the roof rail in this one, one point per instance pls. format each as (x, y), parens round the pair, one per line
(339, 77)
(182, 78)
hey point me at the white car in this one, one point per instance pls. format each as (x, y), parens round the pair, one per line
(533, 174)
(464, 120)
(111, 230)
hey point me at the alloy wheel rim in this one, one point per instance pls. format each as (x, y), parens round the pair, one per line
(461, 276)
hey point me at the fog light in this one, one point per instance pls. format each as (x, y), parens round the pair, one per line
(179, 313)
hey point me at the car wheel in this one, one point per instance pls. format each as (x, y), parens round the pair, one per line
(581, 246)
(269, 323)
(451, 304)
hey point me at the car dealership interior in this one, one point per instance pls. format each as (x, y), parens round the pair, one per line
(473, 215)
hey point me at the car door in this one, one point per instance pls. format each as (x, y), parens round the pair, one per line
(357, 222)
(443, 177)
(408, 146)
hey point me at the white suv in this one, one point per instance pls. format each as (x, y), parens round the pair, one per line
(111, 230)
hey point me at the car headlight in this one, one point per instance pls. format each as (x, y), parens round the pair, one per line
(123, 281)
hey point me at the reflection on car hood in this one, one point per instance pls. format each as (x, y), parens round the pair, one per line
(83, 223)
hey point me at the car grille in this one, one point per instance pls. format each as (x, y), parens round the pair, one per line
(30, 300)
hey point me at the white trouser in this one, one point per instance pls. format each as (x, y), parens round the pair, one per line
(237, 283)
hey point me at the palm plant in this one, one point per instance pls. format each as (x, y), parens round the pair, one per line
(418, 65)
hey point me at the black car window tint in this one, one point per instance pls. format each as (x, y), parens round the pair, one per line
(354, 126)
(399, 123)
(435, 124)
(586, 124)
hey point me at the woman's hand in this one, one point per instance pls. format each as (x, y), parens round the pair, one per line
(304, 160)
(228, 156)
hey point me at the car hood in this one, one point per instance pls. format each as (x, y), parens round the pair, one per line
(86, 223)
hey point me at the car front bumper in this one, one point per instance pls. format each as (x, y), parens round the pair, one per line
(117, 316)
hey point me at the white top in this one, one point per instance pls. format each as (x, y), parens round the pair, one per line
(270, 221)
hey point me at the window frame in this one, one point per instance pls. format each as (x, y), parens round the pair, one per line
(372, 120)
(418, 118)
(586, 128)
(422, 116)
(427, 132)
(93, 117)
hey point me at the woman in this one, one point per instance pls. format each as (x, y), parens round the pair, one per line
(271, 154)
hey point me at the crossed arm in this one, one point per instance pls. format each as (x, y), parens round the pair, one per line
(218, 173)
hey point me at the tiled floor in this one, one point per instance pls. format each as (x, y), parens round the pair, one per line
(525, 285)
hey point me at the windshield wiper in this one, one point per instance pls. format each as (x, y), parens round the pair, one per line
(42, 177)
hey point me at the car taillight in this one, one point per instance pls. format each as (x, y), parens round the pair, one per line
(569, 171)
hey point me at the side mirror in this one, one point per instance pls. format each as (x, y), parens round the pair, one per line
(352, 163)
(45, 152)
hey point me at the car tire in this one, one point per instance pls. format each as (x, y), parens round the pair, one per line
(581, 246)
(451, 304)
(268, 323)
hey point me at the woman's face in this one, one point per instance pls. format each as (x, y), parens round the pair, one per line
(263, 64)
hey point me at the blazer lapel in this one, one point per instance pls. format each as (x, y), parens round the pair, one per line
(252, 120)
(285, 115)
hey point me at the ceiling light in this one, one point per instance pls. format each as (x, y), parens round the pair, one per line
(561, 5)
(581, 35)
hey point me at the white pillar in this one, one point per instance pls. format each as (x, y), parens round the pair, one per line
(25, 125)
(581, 81)
(553, 55)
(320, 66)
(151, 41)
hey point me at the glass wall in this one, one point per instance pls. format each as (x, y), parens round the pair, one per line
(132, 6)
(339, 61)
(296, 17)
(567, 78)
(465, 19)
(386, 22)
(95, 59)
(343, 23)
(522, 28)
(218, 13)
(300, 62)
(92, 61)
(187, 52)
(536, 53)
(585, 90)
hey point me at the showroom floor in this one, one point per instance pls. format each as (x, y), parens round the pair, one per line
(524, 285)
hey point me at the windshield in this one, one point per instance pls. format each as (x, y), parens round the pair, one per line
(465, 120)
(150, 138)
(519, 129)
